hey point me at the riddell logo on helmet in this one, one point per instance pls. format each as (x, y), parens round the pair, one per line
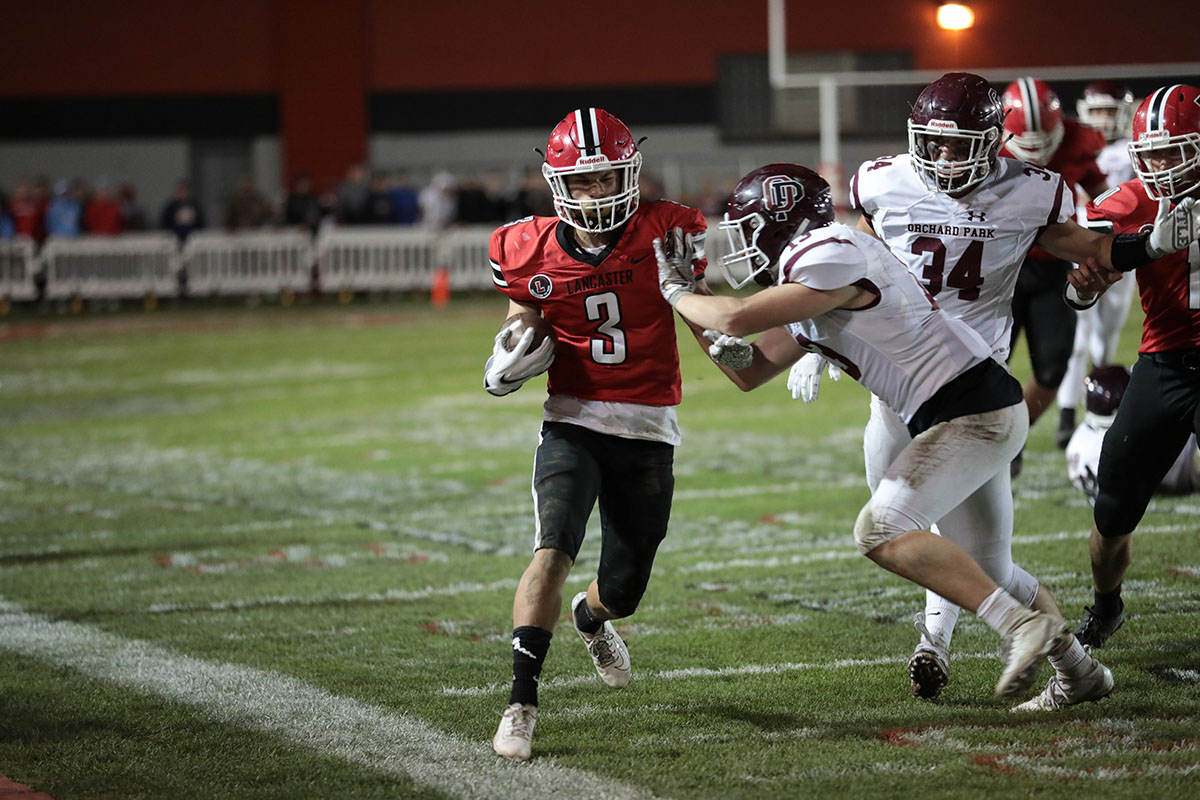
(943, 124)
(587, 161)
(1154, 136)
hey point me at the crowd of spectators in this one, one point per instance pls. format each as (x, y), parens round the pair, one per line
(38, 209)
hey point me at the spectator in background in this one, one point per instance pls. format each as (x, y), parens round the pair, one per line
(6, 222)
(532, 199)
(473, 206)
(132, 212)
(301, 208)
(64, 216)
(182, 213)
(102, 213)
(28, 211)
(439, 201)
(378, 209)
(246, 208)
(352, 195)
(406, 207)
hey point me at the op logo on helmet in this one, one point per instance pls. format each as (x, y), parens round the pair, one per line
(780, 195)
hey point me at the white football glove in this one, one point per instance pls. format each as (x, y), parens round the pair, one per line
(804, 381)
(507, 370)
(729, 351)
(675, 274)
(1174, 228)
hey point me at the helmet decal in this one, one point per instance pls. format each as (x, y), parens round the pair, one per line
(780, 195)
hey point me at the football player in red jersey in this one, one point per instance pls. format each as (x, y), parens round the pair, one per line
(1161, 406)
(1041, 136)
(610, 428)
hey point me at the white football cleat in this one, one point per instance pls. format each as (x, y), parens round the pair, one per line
(514, 737)
(1031, 637)
(1095, 684)
(607, 649)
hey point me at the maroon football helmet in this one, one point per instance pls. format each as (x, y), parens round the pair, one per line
(767, 209)
(1108, 107)
(593, 140)
(1166, 142)
(1034, 120)
(954, 132)
(1105, 387)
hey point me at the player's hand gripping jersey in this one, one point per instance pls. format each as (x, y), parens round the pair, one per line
(900, 347)
(616, 335)
(966, 251)
(1170, 286)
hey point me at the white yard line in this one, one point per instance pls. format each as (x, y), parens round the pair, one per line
(708, 672)
(390, 742)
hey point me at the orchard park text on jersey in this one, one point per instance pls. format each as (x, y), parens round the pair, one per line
(967, 231)
(589, 282)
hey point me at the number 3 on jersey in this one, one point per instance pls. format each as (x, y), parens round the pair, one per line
(966, 275)
(608, 346)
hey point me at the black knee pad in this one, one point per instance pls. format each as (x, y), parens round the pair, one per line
(621, 589)
(1113, 517)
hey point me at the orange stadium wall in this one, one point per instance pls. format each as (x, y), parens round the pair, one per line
(308, 70)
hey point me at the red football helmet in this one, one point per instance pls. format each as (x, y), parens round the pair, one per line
(1108, 107)
(1105, 387)
(593, 140)
(954, 132)
(1034, 120)
(1166, 142)
(767, 209)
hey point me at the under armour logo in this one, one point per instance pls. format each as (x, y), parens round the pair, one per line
(519, 649)
(971, 214)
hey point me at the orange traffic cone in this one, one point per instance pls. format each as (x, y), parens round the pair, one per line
(439, 293)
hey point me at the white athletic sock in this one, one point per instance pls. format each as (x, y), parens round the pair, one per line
(995, 610)
(940, 617)
(1069, 663)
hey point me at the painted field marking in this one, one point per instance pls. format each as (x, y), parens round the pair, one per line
(391, 742)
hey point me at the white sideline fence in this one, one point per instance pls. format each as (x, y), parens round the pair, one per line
(137, 265)
(111, 267)
(248, 263)
(17, 268)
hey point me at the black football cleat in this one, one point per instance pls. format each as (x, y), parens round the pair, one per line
(1066, 428)
(1095, 629)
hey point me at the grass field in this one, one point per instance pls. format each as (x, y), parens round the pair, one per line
(271, 554)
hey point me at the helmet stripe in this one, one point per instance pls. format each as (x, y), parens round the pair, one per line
(1029, 96)
(585, 123)
(1158, 109)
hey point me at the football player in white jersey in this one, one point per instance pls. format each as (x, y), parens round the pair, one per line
(837, 291)
(1108, 107)
(962, 220)
(1104, 388)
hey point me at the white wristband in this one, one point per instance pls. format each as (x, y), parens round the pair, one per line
(1071, 296)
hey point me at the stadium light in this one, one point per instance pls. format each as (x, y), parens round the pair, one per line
(955, 16)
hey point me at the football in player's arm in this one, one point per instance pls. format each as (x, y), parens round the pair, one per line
(609, 423)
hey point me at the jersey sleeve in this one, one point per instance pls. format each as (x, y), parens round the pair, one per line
(1064, 202)
(1110, 208)
(826, 263)
(496, 257)
(697, 227)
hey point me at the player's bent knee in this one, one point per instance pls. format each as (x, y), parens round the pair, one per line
(872, 529)
(621, 593)
(1114, 518)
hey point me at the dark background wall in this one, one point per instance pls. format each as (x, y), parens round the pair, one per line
(323, 74)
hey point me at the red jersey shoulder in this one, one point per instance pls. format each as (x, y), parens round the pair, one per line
(1127, 206)
(1080, 141)
(668, 214)
(518, 244)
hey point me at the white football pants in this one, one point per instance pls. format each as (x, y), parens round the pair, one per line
(979, 521)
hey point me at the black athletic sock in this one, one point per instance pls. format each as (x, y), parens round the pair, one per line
(584, 620)
(1109, 604)
(529, 646)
